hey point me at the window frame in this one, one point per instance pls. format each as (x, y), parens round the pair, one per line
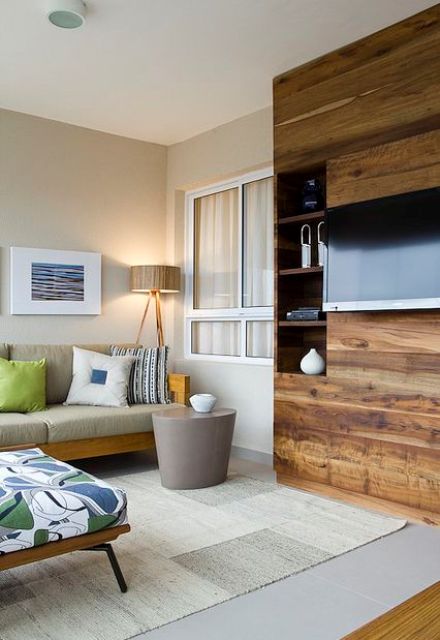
(241, 314)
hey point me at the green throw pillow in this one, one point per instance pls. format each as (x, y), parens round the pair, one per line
(22, 385)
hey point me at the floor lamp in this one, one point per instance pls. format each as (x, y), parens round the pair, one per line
(154, 280)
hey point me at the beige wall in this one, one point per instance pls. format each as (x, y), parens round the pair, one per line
(231, 149)
(65, 187)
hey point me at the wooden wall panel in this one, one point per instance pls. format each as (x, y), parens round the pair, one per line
(385, 470)
(400, 167)
(373, 423)
(411, 332)
(356, 54)
(388, 90)
(371, 426)
(358, 392)
(399, 349)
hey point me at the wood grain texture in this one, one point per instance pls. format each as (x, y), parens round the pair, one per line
(179, 385)
(370, 114)
(356, 54)
(373, 75)
(302, 217)
(401, 349)
(387, 470)
(400, 167)
(19, 447)
(379, 424)
(380, 89)
(415, 619)
(93, 447)
(348, 391)
(51, 549)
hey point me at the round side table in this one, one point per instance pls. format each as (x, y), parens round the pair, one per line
(193, 448)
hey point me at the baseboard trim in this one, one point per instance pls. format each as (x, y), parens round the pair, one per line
(254, 456)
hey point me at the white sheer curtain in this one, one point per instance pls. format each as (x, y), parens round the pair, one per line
(258, 244)
(216, 338)
(259, 339)
(216, 233)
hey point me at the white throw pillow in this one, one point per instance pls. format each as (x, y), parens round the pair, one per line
(98, 379)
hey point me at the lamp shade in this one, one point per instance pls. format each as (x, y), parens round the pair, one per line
(155, 277)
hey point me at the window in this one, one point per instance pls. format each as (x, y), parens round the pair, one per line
(229, 292)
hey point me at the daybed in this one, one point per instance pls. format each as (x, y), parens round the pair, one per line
(48, 508)
(74, 432)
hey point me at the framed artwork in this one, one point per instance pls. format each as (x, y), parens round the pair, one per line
(47, 281)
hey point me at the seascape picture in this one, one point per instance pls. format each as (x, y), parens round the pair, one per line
(57, 281)
(54, 281)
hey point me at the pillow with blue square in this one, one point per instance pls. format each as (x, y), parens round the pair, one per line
(99, 379)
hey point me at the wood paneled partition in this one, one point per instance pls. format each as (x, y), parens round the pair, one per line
(367, 120)
(378, 89)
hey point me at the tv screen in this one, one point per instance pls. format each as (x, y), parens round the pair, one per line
(384, 254)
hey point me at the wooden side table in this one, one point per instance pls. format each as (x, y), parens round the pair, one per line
(193, 448)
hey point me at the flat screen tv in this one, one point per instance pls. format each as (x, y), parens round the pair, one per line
(384, 254)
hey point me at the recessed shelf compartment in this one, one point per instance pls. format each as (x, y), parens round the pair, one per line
(298, 286)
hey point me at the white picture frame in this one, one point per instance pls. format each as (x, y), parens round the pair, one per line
(54, 282)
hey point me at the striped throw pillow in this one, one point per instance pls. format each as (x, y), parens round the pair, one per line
(148, 382)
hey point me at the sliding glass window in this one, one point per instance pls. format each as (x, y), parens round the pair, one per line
(229, 267)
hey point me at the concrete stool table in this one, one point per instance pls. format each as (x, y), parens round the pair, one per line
(193, 448)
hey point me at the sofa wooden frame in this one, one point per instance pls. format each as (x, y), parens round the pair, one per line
(179, 386)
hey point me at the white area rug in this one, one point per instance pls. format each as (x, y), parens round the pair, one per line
(188, 550)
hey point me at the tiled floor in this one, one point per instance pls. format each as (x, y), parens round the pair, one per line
(324, 603)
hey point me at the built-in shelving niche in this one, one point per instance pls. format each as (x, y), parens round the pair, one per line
(297, 287)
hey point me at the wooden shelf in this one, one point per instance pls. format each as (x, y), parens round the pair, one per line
(300, 271)
(302, 323)
(299, 373)
(302, 217)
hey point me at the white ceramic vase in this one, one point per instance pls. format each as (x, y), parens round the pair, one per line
(203, 402)
(312, 364)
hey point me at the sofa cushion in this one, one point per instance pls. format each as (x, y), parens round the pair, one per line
(148, 383)
(22, 385)
(98, 379)
(59, 364)
(19, 428)
(78, 422)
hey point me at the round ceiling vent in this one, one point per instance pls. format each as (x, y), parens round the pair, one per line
(66, 14)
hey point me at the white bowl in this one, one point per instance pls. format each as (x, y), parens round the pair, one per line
(203, 402)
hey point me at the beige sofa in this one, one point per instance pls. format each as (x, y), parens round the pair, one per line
(73, 432)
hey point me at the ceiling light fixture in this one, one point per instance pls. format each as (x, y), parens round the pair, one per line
(66, 14)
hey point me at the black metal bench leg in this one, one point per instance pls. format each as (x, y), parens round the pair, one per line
(116, 568)
(107, 547)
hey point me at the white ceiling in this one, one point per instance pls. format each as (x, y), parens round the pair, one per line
(165, 70)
